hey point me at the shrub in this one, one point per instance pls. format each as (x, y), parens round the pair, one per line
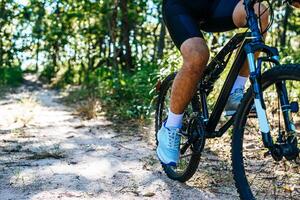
(11, 76)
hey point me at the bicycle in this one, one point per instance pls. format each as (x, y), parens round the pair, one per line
(257, 152)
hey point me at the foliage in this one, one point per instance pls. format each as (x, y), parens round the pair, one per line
(10, 72)
(128, 96)
(132, 96)
(113, 50)
(10, 76)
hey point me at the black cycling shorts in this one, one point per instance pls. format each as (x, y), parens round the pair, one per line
(186, 18)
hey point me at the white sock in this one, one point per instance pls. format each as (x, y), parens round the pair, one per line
(174, 120)
(239, 83)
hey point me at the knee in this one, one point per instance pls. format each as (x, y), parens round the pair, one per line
(195, 55)
(240, 17)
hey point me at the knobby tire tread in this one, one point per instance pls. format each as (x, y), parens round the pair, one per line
(280, 72)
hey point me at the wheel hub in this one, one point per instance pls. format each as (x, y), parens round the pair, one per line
(289, 150)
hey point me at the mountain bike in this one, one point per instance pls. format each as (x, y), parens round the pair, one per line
(266, 127)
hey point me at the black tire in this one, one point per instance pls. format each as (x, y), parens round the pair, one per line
(245, 179)
(159, 118)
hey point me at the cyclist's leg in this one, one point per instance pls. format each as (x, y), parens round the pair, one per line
(185, 32)
(195, 56)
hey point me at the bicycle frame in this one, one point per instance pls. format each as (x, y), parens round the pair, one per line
(212, 73)
(250, 43)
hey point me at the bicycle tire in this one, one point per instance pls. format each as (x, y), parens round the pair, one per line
(270, 77)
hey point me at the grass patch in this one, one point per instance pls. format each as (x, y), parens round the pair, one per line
(126, 97)
(89, 108)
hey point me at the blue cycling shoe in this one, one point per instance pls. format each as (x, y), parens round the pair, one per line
(234, 101)
(168, 145)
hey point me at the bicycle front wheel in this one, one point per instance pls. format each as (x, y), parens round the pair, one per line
(256, 173)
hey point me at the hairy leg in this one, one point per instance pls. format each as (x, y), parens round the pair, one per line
(239, 19)
(195, 56)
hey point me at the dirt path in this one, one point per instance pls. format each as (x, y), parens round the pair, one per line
(47, 152)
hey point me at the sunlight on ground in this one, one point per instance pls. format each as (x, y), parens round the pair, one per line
(47, 152)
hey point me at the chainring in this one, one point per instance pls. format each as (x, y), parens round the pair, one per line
(196, 131)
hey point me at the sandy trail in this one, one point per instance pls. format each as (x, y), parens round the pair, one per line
(47, 152)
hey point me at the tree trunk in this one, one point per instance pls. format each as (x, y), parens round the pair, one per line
(285, 24)
(56, 47)
(126, 35)
(37, 56)
(54, 56)
(112, 24)
(2, 10)
(161, 41)
(1, 52)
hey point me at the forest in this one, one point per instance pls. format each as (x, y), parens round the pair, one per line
(80, 108)
(112, 51)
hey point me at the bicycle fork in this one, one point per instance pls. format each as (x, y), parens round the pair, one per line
(288, 149)
(259, 103)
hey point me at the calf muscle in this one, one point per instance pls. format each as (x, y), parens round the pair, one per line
(195, 55)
